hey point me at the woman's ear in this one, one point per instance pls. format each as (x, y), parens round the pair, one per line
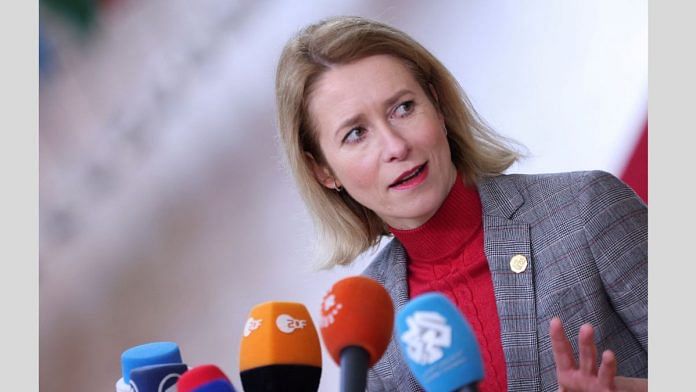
(322, 173)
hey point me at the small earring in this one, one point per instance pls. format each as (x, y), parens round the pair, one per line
(337, 187)
(444, 128)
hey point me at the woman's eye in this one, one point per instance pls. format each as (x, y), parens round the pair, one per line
(404, 109)
(354, 135)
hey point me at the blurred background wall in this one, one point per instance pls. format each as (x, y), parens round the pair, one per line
(166, 211)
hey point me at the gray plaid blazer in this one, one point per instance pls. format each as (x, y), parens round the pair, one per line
(584, 235)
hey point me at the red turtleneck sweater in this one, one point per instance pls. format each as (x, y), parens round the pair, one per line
(446, 255)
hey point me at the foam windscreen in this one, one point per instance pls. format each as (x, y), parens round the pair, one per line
(280, 349)
(438, 344)
(199, 375)
(357, 311)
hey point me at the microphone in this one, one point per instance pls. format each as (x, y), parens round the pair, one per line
(215, 386)
(356, 325)
(204, 378)
(156, 378)
(154, 353)
(280, 349)
(438, 344)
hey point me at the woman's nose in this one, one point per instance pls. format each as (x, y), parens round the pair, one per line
(395, 146)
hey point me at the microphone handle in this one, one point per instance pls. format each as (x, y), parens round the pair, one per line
(354, 361)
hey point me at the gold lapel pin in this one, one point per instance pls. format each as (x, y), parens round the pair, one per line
(518, 263)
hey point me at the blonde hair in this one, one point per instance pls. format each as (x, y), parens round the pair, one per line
(345, 227)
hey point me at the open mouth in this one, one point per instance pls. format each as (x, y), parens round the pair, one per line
(409, 176)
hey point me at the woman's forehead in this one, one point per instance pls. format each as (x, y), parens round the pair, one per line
(373, 80)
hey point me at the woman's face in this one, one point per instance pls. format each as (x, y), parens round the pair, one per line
(383, 139)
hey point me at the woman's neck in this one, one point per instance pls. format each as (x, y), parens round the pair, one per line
(450, 227)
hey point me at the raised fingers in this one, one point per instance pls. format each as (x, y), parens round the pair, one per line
(607, 370)
(588, 350)
(562, 350)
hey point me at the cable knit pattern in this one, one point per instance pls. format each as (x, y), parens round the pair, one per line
(446, 255)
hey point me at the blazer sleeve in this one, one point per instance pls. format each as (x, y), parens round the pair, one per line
(616, 226)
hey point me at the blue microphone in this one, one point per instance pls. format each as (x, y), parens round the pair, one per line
(438, 344)
(216, 386)
(156, 378)
(155, 353)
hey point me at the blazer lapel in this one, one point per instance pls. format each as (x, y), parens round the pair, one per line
(505, 238)
(396, 283)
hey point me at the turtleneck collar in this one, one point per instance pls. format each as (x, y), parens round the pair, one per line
(453, 225)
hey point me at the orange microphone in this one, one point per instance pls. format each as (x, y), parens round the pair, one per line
(280, 349)
(356, 325)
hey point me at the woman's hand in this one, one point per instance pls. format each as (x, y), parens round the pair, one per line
(585, 376)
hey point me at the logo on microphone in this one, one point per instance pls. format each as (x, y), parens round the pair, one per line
(427, 335)
(251, 325)
(329, 309)
(168, 383)
(287, 324)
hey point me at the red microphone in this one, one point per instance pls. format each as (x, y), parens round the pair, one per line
(200, 376)
(356, 326)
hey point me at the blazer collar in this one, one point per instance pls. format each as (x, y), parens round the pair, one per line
(499, 196)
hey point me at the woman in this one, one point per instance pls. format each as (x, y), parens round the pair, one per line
(382, 141)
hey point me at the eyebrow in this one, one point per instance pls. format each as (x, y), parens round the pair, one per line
(387, 103)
